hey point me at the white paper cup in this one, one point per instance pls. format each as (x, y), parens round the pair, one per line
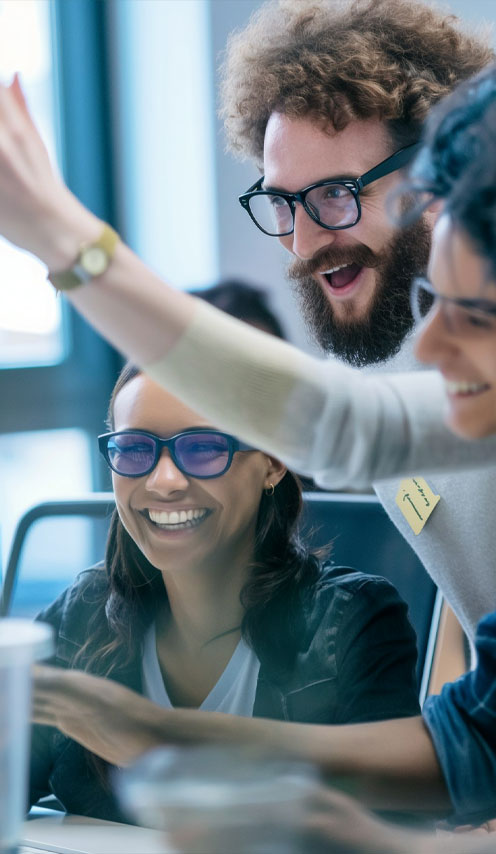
(21, 643)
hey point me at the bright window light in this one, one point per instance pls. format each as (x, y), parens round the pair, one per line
(30, 314)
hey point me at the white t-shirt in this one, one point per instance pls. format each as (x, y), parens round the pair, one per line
(234, 693)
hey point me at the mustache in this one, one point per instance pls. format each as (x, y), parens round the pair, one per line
(329, 258)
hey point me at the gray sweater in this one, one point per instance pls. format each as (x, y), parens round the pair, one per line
(458, 544)
(349, 428)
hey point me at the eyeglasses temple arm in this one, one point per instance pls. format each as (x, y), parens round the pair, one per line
(390, 164)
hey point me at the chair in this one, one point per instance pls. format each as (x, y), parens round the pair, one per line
(448, 653)
(361, 533)
(58, 554)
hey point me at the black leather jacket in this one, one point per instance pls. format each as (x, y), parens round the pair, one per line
(355, 662)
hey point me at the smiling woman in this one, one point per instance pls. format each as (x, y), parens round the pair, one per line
(206, 600)
(458, 334)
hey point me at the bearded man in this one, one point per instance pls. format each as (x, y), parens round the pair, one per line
(328, 99)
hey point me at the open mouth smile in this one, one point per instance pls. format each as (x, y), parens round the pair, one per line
(462, 388)
(176, 520)
(342, 279)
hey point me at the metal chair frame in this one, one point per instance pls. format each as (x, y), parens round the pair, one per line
(96, 505)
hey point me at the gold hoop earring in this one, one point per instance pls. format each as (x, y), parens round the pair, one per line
(270, 489)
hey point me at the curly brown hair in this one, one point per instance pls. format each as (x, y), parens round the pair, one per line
(339, 60)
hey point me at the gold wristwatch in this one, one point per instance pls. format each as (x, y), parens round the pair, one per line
(93, 259)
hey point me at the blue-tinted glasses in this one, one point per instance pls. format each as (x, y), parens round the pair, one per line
(201, 453)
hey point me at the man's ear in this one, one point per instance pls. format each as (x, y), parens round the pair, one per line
(275, 471)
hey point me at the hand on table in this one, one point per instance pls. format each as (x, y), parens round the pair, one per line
(480, 830)
(339, 824)
(110, 720)
(333, 824)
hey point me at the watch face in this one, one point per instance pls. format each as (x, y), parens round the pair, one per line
(94, 260)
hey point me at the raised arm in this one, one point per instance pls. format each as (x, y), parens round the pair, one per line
(321, 418)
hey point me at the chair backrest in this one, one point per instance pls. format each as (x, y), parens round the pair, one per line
(53, 541)
(362, 536)
(361, 533)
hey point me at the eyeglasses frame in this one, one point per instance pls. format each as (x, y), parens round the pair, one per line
(233, 445)
(391, 164)
(483, 306)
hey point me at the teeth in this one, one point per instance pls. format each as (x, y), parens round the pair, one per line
(175, 517)
(462, 387)
(333, 270)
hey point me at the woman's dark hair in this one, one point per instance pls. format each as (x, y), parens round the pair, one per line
(458, 161)
(282, 571)
(244, 301)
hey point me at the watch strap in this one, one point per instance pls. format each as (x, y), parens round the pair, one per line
(77, 274)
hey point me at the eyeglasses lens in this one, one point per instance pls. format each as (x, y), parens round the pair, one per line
(195, 454)
(202, 454)
(422, 301)
(131, 454)
(331, 204)
(463, 321)
(272, 213)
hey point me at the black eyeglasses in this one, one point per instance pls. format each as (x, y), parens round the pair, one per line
(462, 316)
(333, 204)
(201, 453)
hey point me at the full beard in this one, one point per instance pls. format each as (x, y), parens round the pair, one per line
(378, 336)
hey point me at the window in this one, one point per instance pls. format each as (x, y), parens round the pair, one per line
(38, 465)
(30, 314)
(166, 136)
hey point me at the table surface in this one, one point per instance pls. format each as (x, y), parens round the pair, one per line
(58, 833)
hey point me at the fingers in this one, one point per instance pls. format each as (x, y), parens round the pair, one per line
(12, 113)
(45, 717)
(14, 103)
(58, 692)
(18, 131)
(69, 688)
(47, 678)
(18, 93)
(48, 695)
(20, 99)
(472, 830)
(331, 799)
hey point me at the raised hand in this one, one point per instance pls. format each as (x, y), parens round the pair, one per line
(37, 211)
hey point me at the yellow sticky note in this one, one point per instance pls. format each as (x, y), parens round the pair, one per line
(416, 501)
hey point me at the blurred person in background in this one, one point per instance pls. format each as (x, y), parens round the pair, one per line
(244, 301)
(250, 304)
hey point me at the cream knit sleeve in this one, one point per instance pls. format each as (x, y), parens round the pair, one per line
(320, 417)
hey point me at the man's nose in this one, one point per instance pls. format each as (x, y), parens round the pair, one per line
(308, 236)
(166, 477)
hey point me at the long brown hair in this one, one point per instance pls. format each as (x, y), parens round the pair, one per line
(283, 571)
